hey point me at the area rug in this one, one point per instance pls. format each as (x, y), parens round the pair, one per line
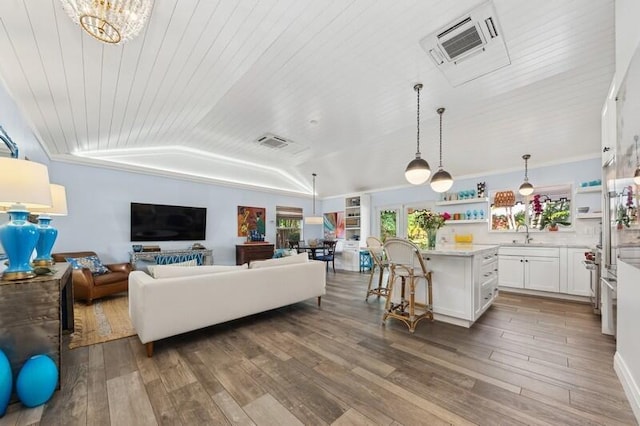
(106, 319)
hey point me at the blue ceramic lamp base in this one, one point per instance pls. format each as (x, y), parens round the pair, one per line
(47, 237)
(19, 238)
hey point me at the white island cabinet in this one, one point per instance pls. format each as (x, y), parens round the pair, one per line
(465, 281)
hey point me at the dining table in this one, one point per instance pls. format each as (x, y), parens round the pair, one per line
(312, 250)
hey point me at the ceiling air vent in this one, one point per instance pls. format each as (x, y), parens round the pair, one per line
(272, 141)
(280, 145)
(469, 47)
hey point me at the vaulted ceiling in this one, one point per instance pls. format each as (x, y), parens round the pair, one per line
(192, 93)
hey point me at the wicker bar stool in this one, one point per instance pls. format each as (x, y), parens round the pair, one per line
(407, 265)
(380, 263)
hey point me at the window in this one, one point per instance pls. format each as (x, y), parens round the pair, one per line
(288, 225)
(546, 208)
(415, 232)
(388, 220)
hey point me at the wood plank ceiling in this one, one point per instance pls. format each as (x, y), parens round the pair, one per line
(204, 79)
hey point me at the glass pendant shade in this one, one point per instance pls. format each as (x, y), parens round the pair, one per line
(441, 181)
(112, 21)
(417, 171)
(47, 233)
(526, 189)
(25, 185)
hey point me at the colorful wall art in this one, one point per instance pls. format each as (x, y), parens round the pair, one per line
(334, 225)
(251, 219)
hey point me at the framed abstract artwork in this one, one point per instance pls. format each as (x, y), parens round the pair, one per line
(251, 219)
(334, 225)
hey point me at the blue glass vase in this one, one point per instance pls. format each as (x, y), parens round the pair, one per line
(431, 238)
(47, 235)
(6, 381)
(19, 238)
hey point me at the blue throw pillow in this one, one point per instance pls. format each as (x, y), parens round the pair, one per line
(91, 262)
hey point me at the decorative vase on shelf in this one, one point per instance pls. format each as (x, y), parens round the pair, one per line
(431, 238)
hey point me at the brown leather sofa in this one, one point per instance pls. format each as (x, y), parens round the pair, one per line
(89, 287)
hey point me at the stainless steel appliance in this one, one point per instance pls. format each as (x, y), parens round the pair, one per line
(592, 262)
(609, 290)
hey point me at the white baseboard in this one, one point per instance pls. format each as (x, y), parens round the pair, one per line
(629, 385)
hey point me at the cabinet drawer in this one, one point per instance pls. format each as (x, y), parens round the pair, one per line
(351, 245)
(488, 272)
(530, 251)
(489, 257)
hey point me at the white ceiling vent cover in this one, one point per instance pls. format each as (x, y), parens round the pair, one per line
(468, 47)
(280, 144)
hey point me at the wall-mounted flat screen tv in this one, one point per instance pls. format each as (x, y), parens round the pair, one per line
(158, 222)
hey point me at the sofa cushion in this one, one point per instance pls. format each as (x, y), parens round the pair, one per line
(93, 263)
(152, 268)
(288, 260)
(169, 271)
(110, 278)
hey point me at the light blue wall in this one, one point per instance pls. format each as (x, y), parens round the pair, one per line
(99, 209)
(583, 231)
(99, 201)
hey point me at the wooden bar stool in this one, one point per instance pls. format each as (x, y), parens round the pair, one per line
(407, 265)
(380, 263)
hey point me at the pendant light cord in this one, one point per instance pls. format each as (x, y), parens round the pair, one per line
(314, 193)
(440, 139)
(526, 170)
(418, 120)
(635, 138)
(440, 111)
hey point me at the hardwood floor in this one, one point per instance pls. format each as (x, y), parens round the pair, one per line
(528, 360)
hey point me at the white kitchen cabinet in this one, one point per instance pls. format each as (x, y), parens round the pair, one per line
(542, 273)
(530, 268)
(578, 277)
(511, 271)
(463, 286)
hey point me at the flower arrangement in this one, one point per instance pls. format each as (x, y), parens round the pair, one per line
(427, 219)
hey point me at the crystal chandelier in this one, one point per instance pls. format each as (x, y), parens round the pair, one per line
(110, 21)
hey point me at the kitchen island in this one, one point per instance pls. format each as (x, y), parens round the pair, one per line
(465, 281)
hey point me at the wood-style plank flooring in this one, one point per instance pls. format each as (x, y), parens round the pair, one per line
(528, 360)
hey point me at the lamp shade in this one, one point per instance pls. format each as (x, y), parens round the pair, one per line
(417, 171)
(24, 182)
(58, 200)
(314, 220)
(441, 181)
(526, 188)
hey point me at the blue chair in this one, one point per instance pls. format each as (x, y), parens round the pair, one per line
(328, 254)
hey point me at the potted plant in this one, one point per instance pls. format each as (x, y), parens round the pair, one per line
(622, 218)
(555, 213)
(430, 222)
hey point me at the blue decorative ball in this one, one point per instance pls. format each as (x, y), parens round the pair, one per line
(37, 380)
(6, 381)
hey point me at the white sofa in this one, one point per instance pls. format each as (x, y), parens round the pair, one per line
(164, 307)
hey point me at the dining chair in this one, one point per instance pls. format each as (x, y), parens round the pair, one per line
(328, 253)
(407, 265)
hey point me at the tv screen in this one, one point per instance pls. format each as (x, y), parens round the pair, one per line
(158, 222)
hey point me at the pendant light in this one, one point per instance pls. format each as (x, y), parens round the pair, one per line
(442, 180)
(418, 170)
(526, 188)
(636, 175)
(314, 220)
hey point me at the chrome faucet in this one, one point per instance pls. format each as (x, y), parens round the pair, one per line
(527, 238)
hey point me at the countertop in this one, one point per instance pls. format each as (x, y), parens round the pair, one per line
(552, 245)
(459, 249)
